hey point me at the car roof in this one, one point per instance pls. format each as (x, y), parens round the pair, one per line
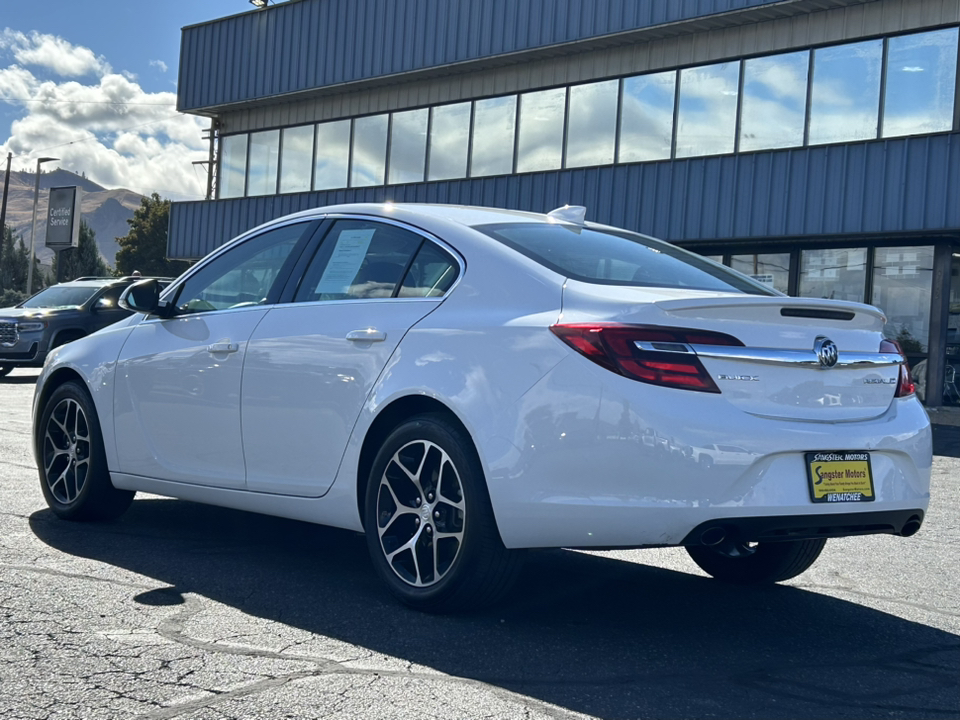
(467, 215)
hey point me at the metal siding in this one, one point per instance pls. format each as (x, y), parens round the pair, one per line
(888, 187)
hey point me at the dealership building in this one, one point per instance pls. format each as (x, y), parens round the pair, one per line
(812, 144)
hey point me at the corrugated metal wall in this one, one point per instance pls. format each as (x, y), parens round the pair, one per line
(778, 34)
(904, 185)
(297, 46)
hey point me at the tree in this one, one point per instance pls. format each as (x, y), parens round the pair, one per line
(82, 260)
(14, 260)
(144, 248)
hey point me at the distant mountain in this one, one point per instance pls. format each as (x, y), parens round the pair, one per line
(106, 211)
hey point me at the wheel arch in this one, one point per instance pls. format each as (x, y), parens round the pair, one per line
(388, 419)
(70, 333)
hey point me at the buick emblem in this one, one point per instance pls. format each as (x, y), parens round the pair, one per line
(826, 351)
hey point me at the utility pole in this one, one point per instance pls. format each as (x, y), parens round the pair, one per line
(3, 205)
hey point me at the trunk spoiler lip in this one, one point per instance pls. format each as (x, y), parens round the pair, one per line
(739, 301)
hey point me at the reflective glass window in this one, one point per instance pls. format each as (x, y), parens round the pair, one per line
(264, 161)
(921, 81)
(408, 146)
(296, 159)
(494, 121)
(774, 101)
(358, 259)
(834, 273)
(770, 269)
(369, 151)
(332, 155)
(592, 122)
(707, 119)
(646, 121)
(449, 141)
(540, 137)
(845, 101)
(242, 276)
(431, 274)
(233, 166)
(902, 281)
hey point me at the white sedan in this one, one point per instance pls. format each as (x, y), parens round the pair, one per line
(463, 383)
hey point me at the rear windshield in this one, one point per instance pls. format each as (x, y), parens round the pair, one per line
(610, 257)
(60, 297)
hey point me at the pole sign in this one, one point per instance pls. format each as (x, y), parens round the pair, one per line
(63, 218)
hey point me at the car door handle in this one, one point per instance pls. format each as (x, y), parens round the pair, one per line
(221, 348)
(367, 335)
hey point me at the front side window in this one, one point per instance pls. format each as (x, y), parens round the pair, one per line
(242, 276)
(609, 257)
(358, 259)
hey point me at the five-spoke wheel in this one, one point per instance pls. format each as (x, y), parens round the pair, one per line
(73, 466)
(429, 524)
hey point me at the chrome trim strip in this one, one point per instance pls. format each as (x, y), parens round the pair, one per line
(773, 356)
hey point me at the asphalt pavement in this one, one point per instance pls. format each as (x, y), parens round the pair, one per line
(179, 610)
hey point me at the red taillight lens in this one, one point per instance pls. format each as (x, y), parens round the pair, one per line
(614, 347)
(905, 384)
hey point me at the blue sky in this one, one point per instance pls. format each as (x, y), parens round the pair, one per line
(94, 83)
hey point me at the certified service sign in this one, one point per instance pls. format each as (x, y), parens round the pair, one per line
(63, 218)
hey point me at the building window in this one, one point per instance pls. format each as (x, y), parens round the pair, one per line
(707, 118)
(332, 155)
(770, 269)
(592, 124)
(296, 159)
(774, 101)
(902, 280)
(540, 138)
(834, 273)
(233, 166)
(369, 151)
(845, 99)
(449, 142)
(264, 161)
(494, 123)
(408, 146)
(921, 81)
(646, 117)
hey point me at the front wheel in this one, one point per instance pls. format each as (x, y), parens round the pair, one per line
(756, 563)
(73, 466)
(429, 523)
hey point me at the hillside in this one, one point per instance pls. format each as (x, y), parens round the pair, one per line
(106, 211)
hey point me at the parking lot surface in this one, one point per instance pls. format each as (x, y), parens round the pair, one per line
(180, 610)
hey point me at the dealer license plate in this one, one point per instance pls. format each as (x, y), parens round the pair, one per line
(840, 476)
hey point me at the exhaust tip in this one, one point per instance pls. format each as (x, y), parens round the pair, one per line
(910, 527)
(713, 536)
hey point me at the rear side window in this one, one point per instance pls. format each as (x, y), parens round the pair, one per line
(431, 274)
(610, 257)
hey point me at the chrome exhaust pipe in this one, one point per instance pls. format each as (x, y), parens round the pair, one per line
(713, 536)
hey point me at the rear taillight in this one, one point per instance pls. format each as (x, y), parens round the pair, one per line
(905, 384)
(665, 358)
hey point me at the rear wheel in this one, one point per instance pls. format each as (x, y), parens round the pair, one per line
(429, 524)
(73, 466)
(754, 563)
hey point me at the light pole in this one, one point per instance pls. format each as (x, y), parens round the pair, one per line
(33, 235)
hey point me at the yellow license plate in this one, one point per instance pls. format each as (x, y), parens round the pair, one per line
(840, 476)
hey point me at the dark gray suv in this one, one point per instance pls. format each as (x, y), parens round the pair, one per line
(57, 315)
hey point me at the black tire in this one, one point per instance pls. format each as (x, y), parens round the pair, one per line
(73, 466)
(5, 370)
(767, 562)
(443, 553)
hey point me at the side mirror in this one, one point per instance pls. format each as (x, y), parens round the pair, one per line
(142, 297)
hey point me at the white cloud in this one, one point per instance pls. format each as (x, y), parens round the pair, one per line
(108, 128)
(53, 53)
(159, 64)
(912, 68)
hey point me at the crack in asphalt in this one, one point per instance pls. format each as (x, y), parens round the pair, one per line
(882, 598)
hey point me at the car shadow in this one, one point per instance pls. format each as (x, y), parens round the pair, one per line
(592, 634)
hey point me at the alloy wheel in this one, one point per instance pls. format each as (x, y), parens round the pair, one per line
(420, 513)
(66, 451)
